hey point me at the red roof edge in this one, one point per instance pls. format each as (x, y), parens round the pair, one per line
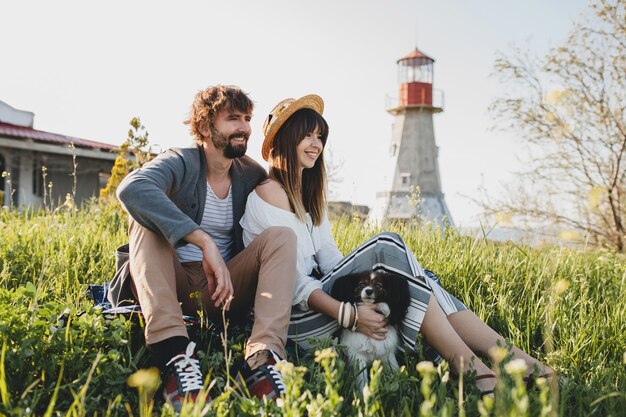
(22, 132)
(416, 53)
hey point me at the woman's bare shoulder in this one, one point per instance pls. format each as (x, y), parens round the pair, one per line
(273, 193)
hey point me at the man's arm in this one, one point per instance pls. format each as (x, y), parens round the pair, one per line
(145, 195)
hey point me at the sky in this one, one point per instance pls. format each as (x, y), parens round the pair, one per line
(86, 68)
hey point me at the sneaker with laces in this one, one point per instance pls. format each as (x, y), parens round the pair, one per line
(182, 378)
(265, 380)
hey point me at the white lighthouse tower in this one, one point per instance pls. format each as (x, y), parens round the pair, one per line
(413, 189)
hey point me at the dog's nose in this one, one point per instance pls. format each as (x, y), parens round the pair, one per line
(369, 291)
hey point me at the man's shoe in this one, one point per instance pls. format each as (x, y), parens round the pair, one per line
(182, 378)
(265, 380)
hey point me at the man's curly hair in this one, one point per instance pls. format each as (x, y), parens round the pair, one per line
(209, 102)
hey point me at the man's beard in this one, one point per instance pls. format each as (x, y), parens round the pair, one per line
(221, 141)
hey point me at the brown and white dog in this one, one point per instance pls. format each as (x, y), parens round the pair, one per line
(391, 293)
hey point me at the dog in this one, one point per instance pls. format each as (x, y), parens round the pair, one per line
(391, 293)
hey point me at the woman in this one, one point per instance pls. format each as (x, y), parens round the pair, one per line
(294, 196)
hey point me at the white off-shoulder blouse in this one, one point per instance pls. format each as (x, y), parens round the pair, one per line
(316, 246)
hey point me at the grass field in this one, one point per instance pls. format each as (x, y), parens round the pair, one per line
(565, 306)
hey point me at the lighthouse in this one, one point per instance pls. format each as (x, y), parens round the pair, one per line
(413, 189)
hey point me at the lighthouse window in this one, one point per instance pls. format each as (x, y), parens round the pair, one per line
(414, 74)
(405, 178)
(415, 70)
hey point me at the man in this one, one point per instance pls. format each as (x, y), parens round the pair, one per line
(185, 238)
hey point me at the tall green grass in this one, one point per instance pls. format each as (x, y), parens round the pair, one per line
(565, 306)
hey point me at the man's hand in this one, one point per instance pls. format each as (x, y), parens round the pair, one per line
(217, 274)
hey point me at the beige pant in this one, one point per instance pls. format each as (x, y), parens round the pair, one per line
(262, 274)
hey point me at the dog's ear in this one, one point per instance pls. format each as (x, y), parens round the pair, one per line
(398, 294)
(343, 286)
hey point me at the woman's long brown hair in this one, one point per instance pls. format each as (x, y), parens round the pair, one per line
(307, 194)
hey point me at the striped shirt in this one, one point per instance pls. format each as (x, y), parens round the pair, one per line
(217, 221)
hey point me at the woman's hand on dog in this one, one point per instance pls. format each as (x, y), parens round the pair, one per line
(371, 322)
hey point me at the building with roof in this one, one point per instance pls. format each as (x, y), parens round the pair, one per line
(25, 152)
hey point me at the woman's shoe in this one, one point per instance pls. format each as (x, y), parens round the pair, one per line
(531, 379)
(488, 392)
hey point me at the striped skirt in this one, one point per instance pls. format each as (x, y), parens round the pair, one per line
(384, 252)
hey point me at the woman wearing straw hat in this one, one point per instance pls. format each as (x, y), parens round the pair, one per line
(294, 196)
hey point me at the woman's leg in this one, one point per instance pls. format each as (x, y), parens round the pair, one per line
(383, 252)
(440, 334)
(481, 338)
(307, 324)
(387, 252)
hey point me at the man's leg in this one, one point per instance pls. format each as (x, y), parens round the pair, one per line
(154, 272)
(159, 281)
(272, 258)
(263, 275)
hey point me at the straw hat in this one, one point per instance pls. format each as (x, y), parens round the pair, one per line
(281, 112)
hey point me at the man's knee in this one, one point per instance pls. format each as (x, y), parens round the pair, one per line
(280, 236)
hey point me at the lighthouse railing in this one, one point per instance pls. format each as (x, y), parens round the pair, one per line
(392, 102)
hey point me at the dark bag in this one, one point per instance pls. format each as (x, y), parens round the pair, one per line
(120, 289)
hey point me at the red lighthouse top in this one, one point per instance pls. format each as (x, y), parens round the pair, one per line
(415, 75)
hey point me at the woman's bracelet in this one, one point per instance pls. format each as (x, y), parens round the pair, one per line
(345, 314)
(340, 314)
(356, 317)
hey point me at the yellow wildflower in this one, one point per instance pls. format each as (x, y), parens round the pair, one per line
(145, 378)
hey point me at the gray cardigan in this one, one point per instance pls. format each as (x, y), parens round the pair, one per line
(167, 195)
